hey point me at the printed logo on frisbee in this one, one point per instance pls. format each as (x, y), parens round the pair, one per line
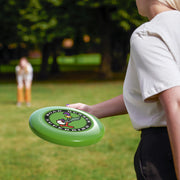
(68, 120)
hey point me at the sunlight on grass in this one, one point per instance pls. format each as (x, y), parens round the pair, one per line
(26, 156)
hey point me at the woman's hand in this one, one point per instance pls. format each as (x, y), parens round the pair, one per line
(111, 107)
(81, 106)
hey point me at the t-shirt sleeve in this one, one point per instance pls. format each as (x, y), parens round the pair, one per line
(29, 68)
(157, 69)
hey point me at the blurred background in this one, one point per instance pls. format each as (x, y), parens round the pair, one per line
(60, 36)
(79, 52)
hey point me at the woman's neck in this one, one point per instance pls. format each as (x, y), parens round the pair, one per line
(156, 8)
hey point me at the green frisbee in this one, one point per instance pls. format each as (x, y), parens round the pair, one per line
(66, 126)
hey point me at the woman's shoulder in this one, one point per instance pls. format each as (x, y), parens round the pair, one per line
(140, 32)
(162, 25)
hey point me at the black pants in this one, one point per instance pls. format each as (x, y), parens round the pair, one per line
(153, 159)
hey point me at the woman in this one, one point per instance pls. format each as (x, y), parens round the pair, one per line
(152, 91)
(24, 75)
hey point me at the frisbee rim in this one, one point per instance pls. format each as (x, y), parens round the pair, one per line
(47, 132)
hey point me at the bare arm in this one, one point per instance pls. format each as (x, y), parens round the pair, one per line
(107, 108)
(170, 100)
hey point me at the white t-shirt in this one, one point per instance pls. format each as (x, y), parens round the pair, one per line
(154, 66)
(24, 75)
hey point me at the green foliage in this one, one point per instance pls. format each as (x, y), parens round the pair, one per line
(40, 21)
(44, 21)
(8, 17)
(36, 23)
(95, 3)
(123, 12)
(56, 2)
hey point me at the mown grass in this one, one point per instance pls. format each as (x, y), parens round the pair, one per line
(24, 156)
(80, 62)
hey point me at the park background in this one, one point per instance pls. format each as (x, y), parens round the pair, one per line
(79, 51)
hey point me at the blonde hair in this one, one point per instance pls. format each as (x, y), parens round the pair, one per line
(175, 4)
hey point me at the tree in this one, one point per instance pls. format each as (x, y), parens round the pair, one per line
(9, 18)
(109, 18)
(46, 23)
(36, 27)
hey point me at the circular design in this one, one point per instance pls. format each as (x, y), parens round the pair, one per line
(66, 126)
(80, 121)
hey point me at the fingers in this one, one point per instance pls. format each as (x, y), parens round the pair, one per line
(80, 106)
(76, 106)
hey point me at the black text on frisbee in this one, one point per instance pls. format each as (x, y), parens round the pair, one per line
(66, 126)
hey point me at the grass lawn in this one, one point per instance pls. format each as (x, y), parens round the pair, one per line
(24, 156)
(80, 62)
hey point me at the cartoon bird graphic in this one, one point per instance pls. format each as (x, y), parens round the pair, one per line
(65, 123)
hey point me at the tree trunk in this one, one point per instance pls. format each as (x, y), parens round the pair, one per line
(120, 51)
(44, 64)
(55, 66)
(105, 68)
(106, 49)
